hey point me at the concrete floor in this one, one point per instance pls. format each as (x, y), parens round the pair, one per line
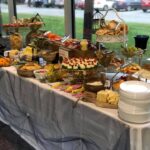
(9, 140)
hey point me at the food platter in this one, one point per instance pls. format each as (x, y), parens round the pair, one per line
(143, 75)
(25, 73)
(94, 86)
(106, 105)
(91, 97)
(79, 75)
(5, 62)
(111, 38)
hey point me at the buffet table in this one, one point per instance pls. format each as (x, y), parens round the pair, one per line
(46, 118)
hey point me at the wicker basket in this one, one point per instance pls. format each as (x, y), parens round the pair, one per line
(25, 73)
(115, 37)
(111, 38)
(48, 56)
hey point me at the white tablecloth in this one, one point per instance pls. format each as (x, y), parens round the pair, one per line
(47, 117)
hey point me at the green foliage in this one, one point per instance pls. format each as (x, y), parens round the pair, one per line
(56, 25)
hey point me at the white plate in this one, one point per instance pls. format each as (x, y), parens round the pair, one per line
(134, 118)
(134, 108)
(135, 90)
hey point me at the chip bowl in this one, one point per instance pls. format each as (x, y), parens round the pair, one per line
(40, 74)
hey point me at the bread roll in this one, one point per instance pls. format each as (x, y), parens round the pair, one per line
(112, 25)
(103, 31)
(123, 28)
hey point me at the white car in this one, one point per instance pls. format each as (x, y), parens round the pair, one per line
(103, 4)
(59, 3)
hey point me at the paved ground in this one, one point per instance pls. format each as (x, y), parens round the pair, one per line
(9, 140)
(130, 16)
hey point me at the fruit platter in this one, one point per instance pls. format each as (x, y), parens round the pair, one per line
(130, 51)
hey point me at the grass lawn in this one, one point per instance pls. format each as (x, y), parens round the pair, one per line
(56, 25)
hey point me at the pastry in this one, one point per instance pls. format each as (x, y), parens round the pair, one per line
(102, 31)
(146, 66)
(79, 63)
(5, 62)
(112, 25)
(113, 28)
(116, 85)
(144, 74)
(131, 68)
(13, 53)
(30, 67)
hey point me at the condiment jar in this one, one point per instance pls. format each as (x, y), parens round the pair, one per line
(84, 45)
(16, 41)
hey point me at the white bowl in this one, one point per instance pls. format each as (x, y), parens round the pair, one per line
(40, 74)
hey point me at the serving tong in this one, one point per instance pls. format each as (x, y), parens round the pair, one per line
(65, 38)
(118, 71)
(76, 102)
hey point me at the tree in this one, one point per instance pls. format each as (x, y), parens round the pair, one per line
(20, 1)
(29, 3)
(52, 1)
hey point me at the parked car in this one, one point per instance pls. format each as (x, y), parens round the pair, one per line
(127, 4)
(80, 4)
(103, 4)
(59, 3)
(145, 5)
(38, 3)
(98, 4)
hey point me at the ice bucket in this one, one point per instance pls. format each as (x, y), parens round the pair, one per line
(141, 41)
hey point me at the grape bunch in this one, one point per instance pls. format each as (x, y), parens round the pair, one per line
(129, 51)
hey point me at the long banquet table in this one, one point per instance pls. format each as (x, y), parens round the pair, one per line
(46, 118)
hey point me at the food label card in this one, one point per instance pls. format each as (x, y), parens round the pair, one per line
(64, 53)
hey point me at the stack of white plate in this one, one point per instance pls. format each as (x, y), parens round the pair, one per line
(134, 104)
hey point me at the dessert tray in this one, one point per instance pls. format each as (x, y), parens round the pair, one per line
(79, 63)
(78, 75)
